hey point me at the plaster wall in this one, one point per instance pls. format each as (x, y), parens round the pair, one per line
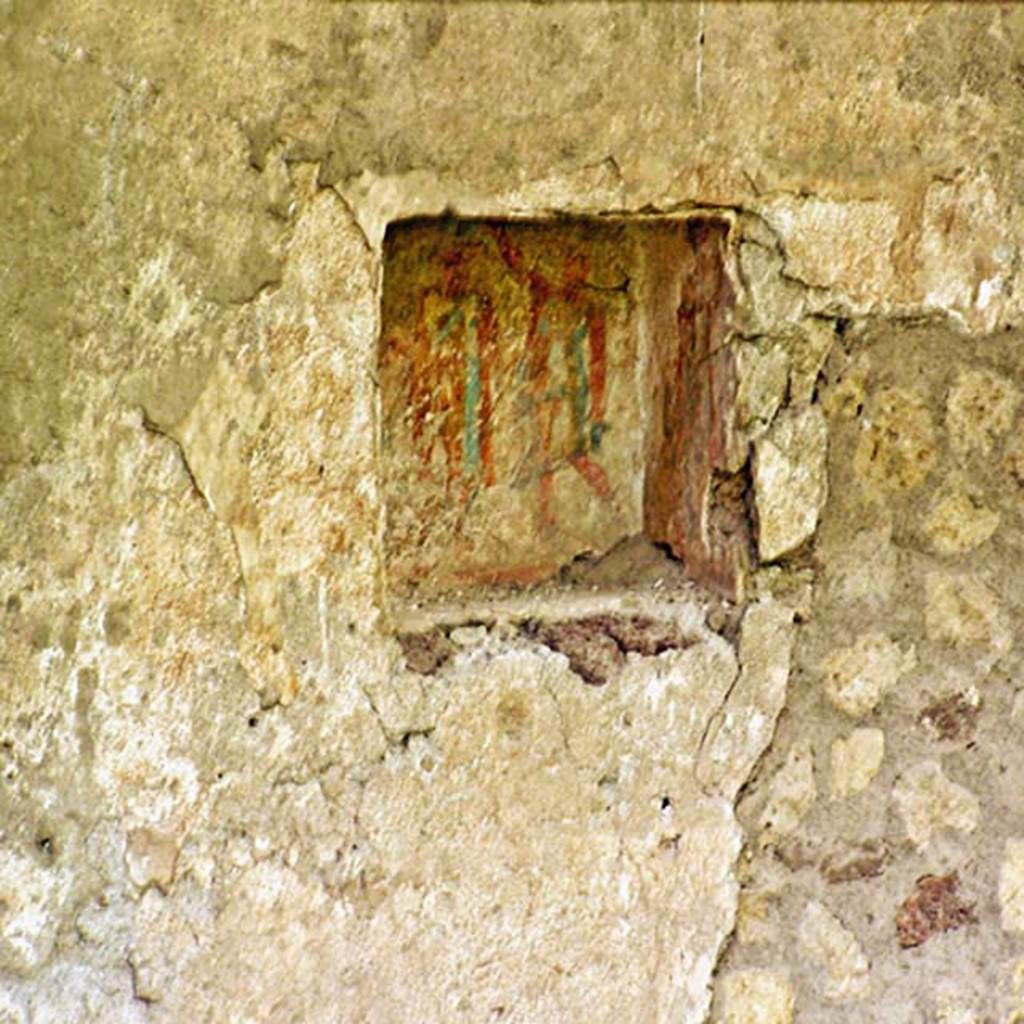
(233, 789)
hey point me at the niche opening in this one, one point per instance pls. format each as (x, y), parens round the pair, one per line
(553, 391)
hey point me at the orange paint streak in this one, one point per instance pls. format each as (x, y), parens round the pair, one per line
(518, 575)
(593, 474)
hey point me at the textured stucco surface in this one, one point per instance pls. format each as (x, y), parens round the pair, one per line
(225, 795)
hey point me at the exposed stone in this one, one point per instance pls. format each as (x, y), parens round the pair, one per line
(897, 448)
(961, 610)
(859, 676)
(808, 348)
(1011, 885)
(757, 996)
(966, 250)
(841, 245)
(980, 410)
(792, 792)
(747, 720)
(777, 302)
(790, 481)
(834, 949)
(848, 395)
(958, 522)
(934, 906)
(763, 373)
(929, 802)
(855, 761)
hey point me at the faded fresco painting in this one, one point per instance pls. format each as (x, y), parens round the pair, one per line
(511, 377)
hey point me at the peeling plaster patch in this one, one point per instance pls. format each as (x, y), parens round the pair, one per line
(746, 722)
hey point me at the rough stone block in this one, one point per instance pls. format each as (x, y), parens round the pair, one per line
(928, 802)
(855, 761)
(791, 481)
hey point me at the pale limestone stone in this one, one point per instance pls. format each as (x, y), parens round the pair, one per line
(980, 410)
(746, 722)
(776, 301)
(929, 802)
(808, 349)
(959, 523)
(967, 248)
(859, 676)
(763, 374)
(835, 950)
(791, 794)
(1011, 886)
(844, 246)
(897, 448)
(962, 610)
(790, 481)
(757, 996)
(855, 761)
(151, 856)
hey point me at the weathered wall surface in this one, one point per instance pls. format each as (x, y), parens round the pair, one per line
(226, 795)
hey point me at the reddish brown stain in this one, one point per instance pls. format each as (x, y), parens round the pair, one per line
(934, 906)
(693, 403)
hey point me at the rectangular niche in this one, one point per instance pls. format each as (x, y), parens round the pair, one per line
(551, 389)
